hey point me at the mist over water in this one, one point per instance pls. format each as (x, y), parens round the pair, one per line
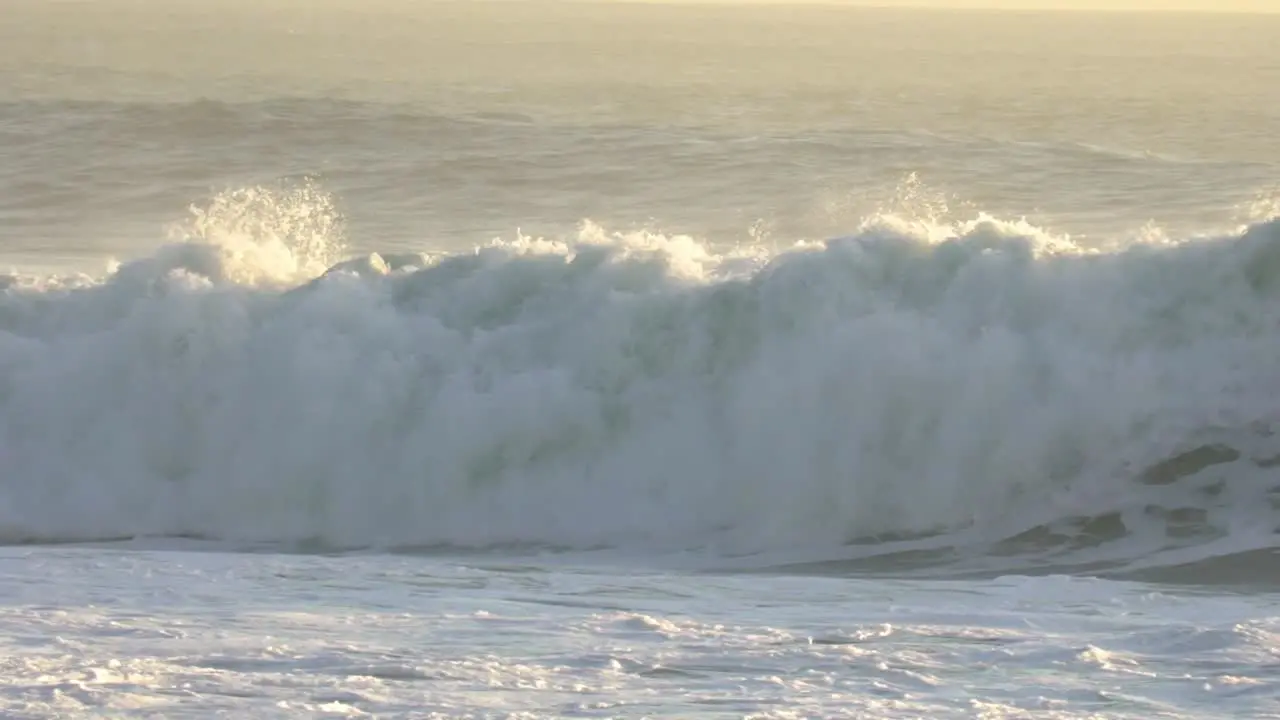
(443, 125)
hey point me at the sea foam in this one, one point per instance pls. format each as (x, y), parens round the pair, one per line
(982, 381)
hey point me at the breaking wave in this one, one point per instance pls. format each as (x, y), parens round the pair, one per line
(977, 389)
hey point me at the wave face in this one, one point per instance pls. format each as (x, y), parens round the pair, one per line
(912, 385)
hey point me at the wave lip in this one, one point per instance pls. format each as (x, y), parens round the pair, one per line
(986, 383)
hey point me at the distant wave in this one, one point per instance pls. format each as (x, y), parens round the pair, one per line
(981, 388)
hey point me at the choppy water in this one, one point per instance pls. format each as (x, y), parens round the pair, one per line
(195, 634)
(528, 360)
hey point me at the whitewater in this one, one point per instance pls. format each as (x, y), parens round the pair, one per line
(568, 477)
(910, 385)
(612, 360)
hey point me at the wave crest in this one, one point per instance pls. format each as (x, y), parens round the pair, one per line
(978, 383)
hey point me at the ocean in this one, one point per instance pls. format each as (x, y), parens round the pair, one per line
(484, 359)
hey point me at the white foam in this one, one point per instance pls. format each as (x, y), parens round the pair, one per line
(634, 391)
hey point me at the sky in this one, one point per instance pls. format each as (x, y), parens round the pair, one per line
(1197, 5)
(1256, 6)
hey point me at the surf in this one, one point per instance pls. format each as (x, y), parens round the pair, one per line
(975, 389)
